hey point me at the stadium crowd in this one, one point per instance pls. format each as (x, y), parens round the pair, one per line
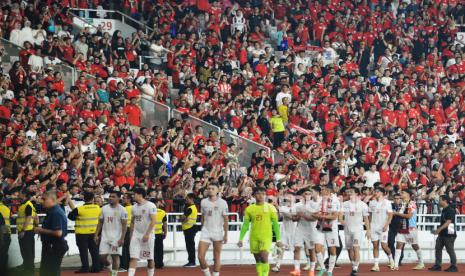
(358, 92)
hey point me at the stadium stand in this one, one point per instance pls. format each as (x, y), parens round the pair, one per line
(282, 94)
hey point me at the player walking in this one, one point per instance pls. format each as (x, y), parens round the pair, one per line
(214, 228)
(327, 215)
(264, 219)
(305, 223)
(380, 218)
(112, 225)
(142, 236)
(288, 226)
(355, 213)
(408, 229)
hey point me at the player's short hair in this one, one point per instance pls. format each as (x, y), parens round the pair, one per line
(140, 191)
(445, 198)
(316, 189)
(381, 189)
(355, 189)
(214, 183)
(258, 189)
(50, 194)
(114, 191)
(88, 196)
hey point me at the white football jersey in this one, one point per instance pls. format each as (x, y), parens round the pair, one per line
(111, 217)
(380, 211)
(141, 217)
(212, 213)
(354, 212)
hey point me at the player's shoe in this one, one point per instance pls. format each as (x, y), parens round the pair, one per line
(276, 268)
(295, 273)
(321, 272)
(307, 267)
(375, 268)
(329, 274)
(354, 272)
(395, 268)
(189, 265)
(311, 273)
(419, 266)
(122, 270)
(318, 268)
(392, 264)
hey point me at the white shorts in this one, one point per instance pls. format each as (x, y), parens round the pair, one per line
(331, 238)
(302, 237)
(110, 248)
(288, 241)
(379, 235)
(210, 237)
(409, 238)
(353, 238)
(142, 250)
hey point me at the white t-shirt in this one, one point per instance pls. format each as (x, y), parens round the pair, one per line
(380, 211)
(281, 95)
(212, 213)
(354, 212)
(141, 216)
(36, 63)
(371, 178)
(112, 217)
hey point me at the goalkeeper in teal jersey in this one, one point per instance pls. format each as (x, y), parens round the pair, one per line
(264, 219)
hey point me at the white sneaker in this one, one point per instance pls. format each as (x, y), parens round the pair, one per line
(375, 268)
(307, 267)
(276, 268)
(391, 265)
(419, 266)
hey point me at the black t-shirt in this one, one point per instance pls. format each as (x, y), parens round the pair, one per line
(447, 213)
(55, 220)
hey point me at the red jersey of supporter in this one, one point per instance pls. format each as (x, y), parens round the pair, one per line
(134, 114)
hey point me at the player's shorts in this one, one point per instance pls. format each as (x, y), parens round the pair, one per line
(303, 237)
(408, 238)
(141, 250)
(261, 244)
(210, 237)
(379, 235)
(110, 248)
(332, 239)
(288, 241)
(353, 238)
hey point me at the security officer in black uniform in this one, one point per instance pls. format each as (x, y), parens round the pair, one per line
(53, 233)
(5, 236)
(86, 217)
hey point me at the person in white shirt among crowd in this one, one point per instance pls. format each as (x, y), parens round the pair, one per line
(380, 218)
(111, 230)
(214, 231)
(39, 35)
(15, 35)
(355, 214)
(371, 176)
(36, 61)
(26, 34)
